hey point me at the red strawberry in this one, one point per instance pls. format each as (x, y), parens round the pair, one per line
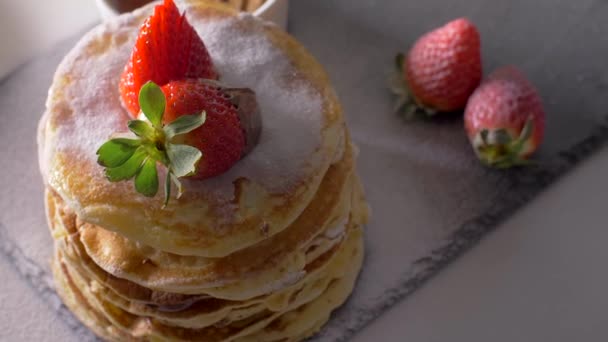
(167, 49)
(232, 126)
(442, 69)
(505, 119)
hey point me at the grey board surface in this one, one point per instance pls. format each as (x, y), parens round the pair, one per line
(430, 198)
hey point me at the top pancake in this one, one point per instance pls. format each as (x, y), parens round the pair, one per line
(260, 196)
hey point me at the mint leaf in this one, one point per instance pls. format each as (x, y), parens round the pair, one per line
(115, 152)
(129, 168)
(185, 124)
(183, 159)
(146, 181)
(142, 129)
(152, 103)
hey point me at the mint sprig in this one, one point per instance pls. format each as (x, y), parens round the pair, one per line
(127, 158)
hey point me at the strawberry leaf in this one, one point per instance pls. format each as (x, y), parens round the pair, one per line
(152, 103)
(399, 59)
(167, 189)
(527, 130)
(116, 152)
(126, 158)
(499, 137)
(146, 181)
(153, 151)
(142, 129)
(178, 184)
(183, 159)
(128, 169)
(184, 124)
(525, 134)
(484, 136)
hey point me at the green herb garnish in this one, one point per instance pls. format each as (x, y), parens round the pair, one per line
(126, 158)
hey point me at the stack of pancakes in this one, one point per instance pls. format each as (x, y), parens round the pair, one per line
(263, 252)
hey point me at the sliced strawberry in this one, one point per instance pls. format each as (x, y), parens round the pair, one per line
(167, 49)
(232, 126)
(505, 119)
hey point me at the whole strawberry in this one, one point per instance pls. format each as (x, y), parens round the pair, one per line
(505, 119)
(167, 49)
(230, 129)
(195, 128)
(441, 70)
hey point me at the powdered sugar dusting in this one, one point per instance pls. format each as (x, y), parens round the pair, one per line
(92, 96)
(291, 108)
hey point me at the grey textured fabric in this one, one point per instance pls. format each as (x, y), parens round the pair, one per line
(430, 198)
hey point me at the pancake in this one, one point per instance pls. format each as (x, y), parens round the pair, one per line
(269, 261)
(69, 234)
(211, 311)
(307, 320)
(75, 301)
(254, 271)
(301, 317)
(258, 197)
(187, 306)
(229, 312)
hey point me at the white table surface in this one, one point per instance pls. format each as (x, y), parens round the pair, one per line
(540, 277)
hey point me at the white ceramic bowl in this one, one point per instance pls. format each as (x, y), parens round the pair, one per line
(271, 10)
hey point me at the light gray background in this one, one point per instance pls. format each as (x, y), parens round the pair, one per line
(556, 268)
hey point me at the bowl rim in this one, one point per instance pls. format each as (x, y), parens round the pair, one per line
(265, 6)
(260, 10)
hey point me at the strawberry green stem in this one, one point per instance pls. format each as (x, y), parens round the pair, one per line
(137, 158)
(498, 149)
(406, 103)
